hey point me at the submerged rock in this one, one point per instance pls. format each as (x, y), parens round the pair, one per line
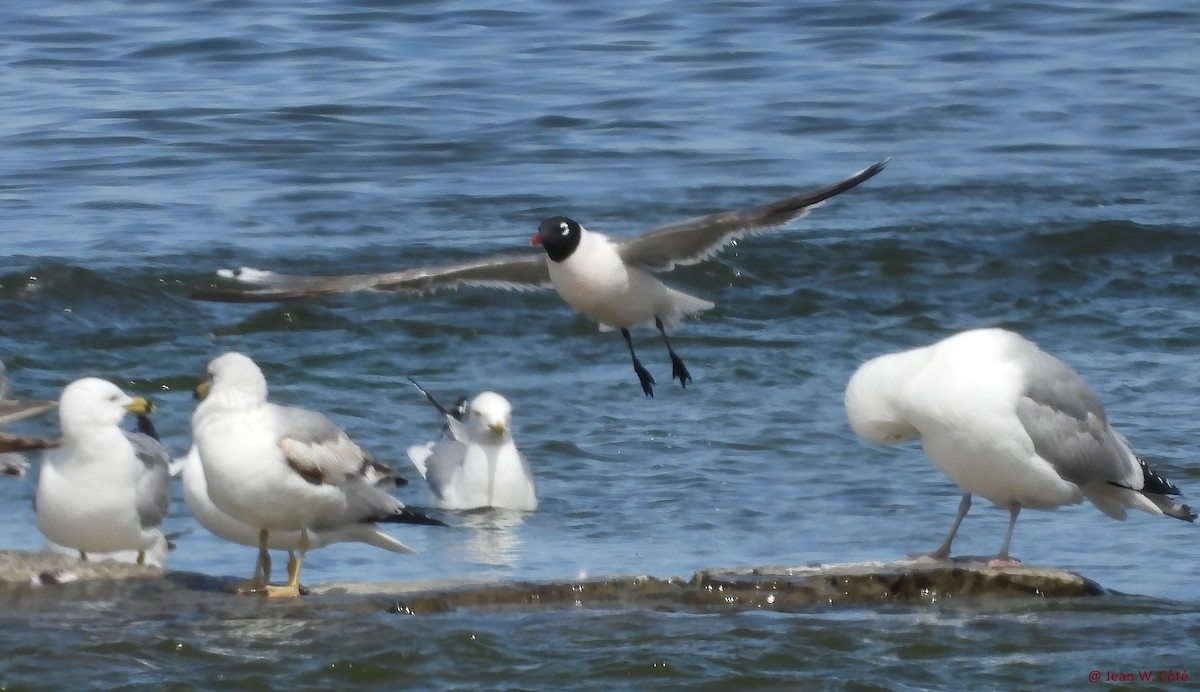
(904, 581)
(785, 589)
(769, 588)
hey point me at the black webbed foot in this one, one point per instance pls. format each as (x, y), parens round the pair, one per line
(679, 371)
(646, 379)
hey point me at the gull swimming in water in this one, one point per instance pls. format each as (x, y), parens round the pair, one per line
(476, 463)
(277, 468)
(1006, 421)
(610, 280)
(105, 489)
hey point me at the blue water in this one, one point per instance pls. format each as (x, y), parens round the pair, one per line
(1043, 178)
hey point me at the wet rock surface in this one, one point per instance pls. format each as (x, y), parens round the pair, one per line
(44, 568)
(40, 580)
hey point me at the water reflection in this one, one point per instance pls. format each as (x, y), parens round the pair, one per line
(492, 537)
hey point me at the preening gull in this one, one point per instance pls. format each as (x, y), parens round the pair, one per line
(610, 280)
(1006, 421)
(475, 463)
(105, 489)
(277, 468)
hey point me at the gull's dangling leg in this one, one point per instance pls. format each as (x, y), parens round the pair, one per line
(643, 375)
(679, 371)
(141, 558)
(82, 556)
(1002, 559)
(292, 588)
(943, 551)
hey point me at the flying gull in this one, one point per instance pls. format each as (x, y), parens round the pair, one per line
(610, 280)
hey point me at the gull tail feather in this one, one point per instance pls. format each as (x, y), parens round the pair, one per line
(380, 539)
(683, 305)
(1154, 497)
(407, 515)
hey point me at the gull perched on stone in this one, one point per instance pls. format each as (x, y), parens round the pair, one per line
(222, 525)
(105, 489)
(277, 468)
(1007, 421)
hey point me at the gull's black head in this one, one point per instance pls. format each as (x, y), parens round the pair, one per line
(559, 236)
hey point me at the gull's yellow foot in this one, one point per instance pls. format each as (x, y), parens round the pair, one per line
(292, 588)
(252, 585)
(280, 590)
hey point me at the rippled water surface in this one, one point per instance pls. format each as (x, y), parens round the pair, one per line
(1043, 177)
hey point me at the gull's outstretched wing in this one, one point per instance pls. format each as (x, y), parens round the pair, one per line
(13, 410)
(506, 272)
(692, 240)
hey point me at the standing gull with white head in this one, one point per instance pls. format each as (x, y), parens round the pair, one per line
(1007, 421)
(277, 468)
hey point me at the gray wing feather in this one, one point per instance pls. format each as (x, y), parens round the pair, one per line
(17, 443)
(444, 460)
(152, 493)
(507, 272)
(1069, 428)
(692, 240)
(13, 410)
(303, 425)
(318, 449)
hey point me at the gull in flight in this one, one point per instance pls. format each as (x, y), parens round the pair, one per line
(105, 489)
(476, 462)
(610, 280)
(277, 468)
(1006, 421)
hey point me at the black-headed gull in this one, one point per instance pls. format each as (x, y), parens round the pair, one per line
(610, 280)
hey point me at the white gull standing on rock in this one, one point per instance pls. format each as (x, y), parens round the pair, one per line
(1006, 421)
(220, 524)
(278, 468)
(104, 490)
